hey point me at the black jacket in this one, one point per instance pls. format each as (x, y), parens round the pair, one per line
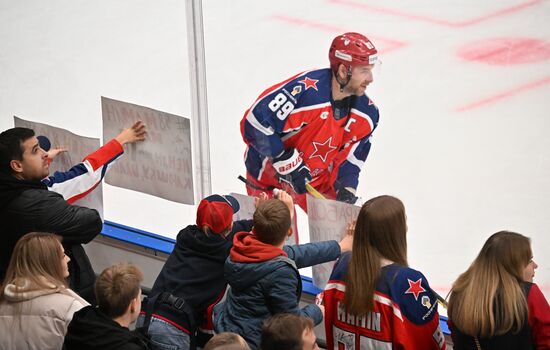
(523, 340)
(28, 206)
(194, 272)
(92, 329)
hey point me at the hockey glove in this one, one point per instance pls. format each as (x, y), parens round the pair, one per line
(346, 195)
(291, 169)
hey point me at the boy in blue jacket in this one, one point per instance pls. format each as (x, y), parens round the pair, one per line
(263, 273)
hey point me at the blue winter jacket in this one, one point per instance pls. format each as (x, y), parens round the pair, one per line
(260, 290)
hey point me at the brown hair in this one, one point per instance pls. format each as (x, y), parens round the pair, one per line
(228, 341)
(272, 221)
(285, 331)
(380, 232)
(116, 287)
(487, 299)
(37, 258)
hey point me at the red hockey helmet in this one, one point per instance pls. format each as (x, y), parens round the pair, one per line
(351, 49)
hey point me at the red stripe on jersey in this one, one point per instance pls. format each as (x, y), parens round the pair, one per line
(109, 151)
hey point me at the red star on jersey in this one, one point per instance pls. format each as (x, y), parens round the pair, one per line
(309, 83)
(322, 149)
(415, 288)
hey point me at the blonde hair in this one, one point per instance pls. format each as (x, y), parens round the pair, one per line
(226, 340)
(488, 299)
(380, 232)
(115, 288)
(38, 259)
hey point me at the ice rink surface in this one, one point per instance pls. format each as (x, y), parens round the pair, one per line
(463, 93)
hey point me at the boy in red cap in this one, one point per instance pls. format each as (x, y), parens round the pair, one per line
(192, 281)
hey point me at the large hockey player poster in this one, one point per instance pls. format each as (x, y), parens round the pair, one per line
(328, 219)
(161, 166)
(78, 147)
(246, 212)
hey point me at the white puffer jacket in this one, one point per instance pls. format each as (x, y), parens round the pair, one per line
(33, 318)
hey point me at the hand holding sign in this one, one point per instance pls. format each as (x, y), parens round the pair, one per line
(347, 242)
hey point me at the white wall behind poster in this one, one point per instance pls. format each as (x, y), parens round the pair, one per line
(463, 94)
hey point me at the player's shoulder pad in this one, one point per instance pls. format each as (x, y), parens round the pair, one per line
(411, 291)
(313, 85)
(366, 105)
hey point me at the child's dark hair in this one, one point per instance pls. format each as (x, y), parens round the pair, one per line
(272, 221)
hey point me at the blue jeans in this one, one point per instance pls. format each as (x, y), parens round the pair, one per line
(164, 336)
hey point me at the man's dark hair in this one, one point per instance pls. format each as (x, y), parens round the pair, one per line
(11, 148)
(284, 331)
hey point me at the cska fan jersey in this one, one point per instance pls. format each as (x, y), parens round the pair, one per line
(404, 315)
(299, 113)
(84, 177)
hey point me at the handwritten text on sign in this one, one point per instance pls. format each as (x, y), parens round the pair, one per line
(328, 220)
(160, 166)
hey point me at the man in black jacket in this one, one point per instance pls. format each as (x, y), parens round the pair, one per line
(26, 205)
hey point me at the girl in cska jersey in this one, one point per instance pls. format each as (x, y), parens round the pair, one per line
(373, 300)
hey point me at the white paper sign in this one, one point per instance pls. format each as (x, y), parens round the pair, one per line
(78, 148)
(328, 220)
(160, 166)
(247, 209)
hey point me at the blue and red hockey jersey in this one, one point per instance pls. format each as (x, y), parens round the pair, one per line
(404, 316)
(299, 113)
(84, 177)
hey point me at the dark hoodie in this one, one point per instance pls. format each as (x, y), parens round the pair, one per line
(27, 206)
(264, 281)
(91, 329)
(194, 272)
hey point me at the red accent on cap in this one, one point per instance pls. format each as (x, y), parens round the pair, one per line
(215, 212)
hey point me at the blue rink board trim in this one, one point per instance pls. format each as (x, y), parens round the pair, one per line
(166, 245)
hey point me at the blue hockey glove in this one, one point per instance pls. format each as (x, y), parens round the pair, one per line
(291, 169)
(346, 195)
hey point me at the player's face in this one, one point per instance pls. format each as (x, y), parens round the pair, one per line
(34, 165)
(529, 271)
(309, 340)
(361, 77)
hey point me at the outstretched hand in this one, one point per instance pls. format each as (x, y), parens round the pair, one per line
(260, 199)
(54, 152)
(136, 132)
(347, 242)
(287, 200)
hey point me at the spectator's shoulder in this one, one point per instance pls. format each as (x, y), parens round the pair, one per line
(35, 198)
(412, 293)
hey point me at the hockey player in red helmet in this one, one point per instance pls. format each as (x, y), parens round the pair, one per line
(351, 50)
(314, 127)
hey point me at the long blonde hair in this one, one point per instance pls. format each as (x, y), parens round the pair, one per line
(488, 300)
(380, 232)
(37, 258)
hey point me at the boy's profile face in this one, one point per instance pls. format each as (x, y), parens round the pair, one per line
(309, 340)
(136, 306)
